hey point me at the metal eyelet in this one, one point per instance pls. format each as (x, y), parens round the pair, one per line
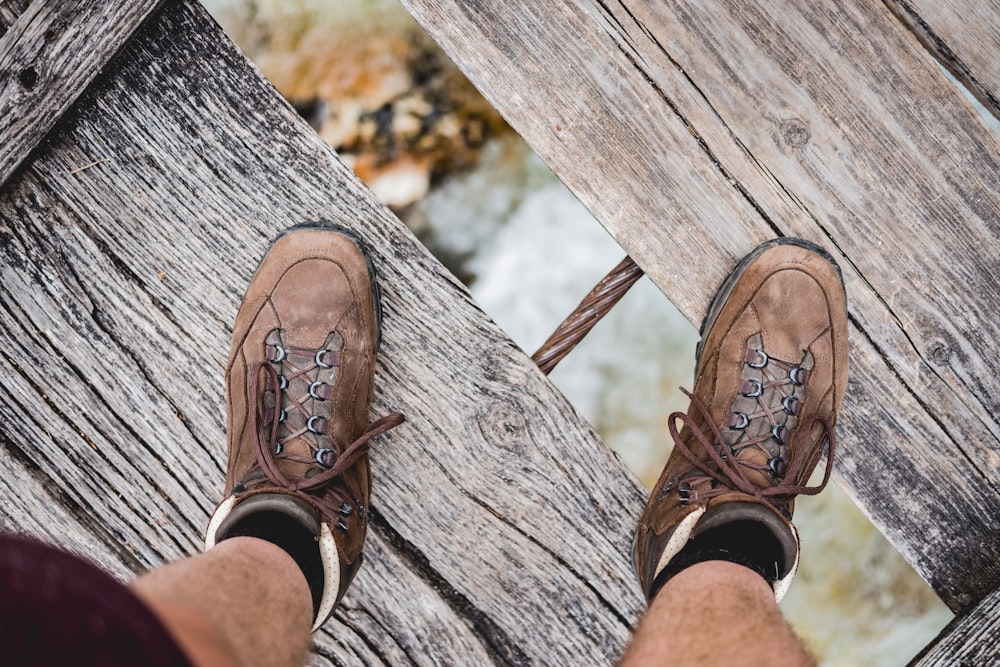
(755, 388)
(738, 420)
(791, 405)
(319, 359)
(763, 359)
(278, 447)
(282, 382)
(684, 493)
(798, 375)
(341, 526)
(311, 425)
(362, 513)
(280, 354)
(778, 433)
(321, 457)
(778, 466)
(345, 508)
(282, 415)
(312, 390)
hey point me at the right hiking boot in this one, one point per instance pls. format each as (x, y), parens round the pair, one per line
(770, 375)
(299, 385)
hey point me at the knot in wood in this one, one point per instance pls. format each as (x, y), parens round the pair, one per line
(27, 77)
(939, 353)
(503, 425)
(794, 132)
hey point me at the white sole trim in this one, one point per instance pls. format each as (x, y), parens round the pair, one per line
(781, 585)
(218, 516)
(331, 574)
(682, 533)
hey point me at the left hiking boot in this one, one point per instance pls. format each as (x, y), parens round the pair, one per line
(770, 376)
(299, 385)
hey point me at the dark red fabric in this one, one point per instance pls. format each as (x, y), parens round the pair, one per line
(57, 609)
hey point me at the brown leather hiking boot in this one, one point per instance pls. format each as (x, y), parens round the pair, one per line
(298, 389)
(771, 373)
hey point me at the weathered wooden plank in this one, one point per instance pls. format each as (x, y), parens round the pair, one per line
(447, 632)
(694, 130)
(964, 36)
(973, 639)
(9, 11)
(35, 505)
(127, 242)
(48, 57)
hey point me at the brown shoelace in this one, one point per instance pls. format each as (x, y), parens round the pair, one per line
(327, 463)
(727, 470)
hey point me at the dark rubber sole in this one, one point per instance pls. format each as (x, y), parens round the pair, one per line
(326, 225)
(726, 289)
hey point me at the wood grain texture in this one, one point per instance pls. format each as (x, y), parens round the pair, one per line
(694, 131)
(48, 56)
(964, 35)
(500, 519)
(34, 505)
(9, 11)
(968, 641)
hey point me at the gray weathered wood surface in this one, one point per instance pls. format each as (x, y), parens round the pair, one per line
(693, 131)
(501, 522)
(969, 641)
(964, 35)
(48, 56)
(9, 11)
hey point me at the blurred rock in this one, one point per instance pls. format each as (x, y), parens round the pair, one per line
(372, 84)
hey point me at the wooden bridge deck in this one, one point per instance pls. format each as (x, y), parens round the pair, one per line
(128, 233)
(695, 130)
(144, 169)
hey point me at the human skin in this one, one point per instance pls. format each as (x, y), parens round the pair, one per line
(715, 613)
(243, 602)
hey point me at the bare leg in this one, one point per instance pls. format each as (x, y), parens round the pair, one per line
(715, 613)
(244, 602)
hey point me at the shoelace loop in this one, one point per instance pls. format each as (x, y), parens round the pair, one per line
(269, 448)
(728, 470)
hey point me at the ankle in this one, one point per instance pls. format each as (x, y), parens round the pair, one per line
(249, 591)
(713, 576)
(289, 535)
(745, 543)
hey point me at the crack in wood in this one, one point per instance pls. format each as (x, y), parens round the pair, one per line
(43, 394)
(531, 538)
(698, 136)
(502, 649)
(77, 507)
(79, 511)
(985, 478)
(552, 554)
(123, 421)
(369, 643)
(939, 49)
